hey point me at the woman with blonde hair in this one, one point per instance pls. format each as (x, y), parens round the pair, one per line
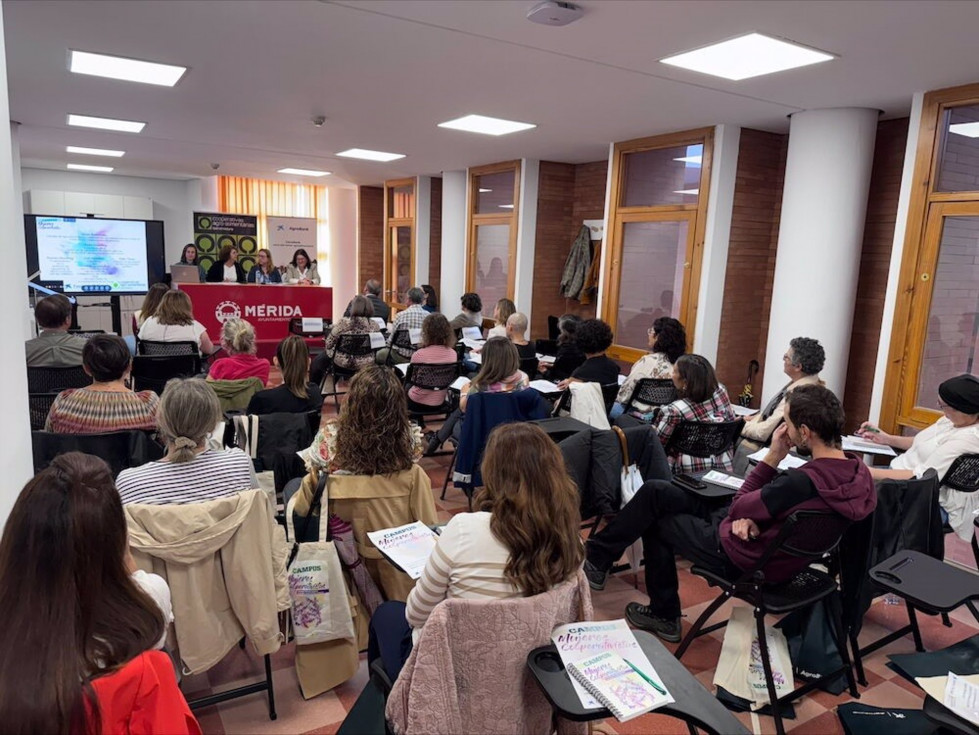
(503, 310)
(151, 303)
(264, 270)
(523, 540)
(238, 340)
(174, 322)
(296, 394)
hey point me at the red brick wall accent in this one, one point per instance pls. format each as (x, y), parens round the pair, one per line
(435, 239)
(371, 227)
(751, 258)
(878, 239)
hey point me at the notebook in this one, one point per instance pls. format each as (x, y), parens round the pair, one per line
(408, 546)
(622, 688)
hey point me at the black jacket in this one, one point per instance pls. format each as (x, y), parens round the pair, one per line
(215, 274)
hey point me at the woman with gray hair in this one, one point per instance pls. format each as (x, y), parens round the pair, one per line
(190, 472)
(238, 340)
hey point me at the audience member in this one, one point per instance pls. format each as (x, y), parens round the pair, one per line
(522, 540)
(728, 540)
(54, 346)
(302, 269)
(410, 318)
(80, 622)
(188, 413)
(264, 270)
(501, 312)
(238, 340)
(151, 302)
(226, 269)
(667, 341)
(954, 434)
(569, 355)
(189, 257)
(372, 290)
(107, 404)
(174, 322)
(516, 331)
(471, 314)
(594, 337)
(359, 322)
(431, 304)
(296, 394)
(437, 344)
(499, 373)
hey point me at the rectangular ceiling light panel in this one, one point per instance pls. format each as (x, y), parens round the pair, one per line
(95, 151)
(747, 56)
(486, 125)
(303, 172)
(368, 155)
(129, 70)
(106, 123)
(85, 167)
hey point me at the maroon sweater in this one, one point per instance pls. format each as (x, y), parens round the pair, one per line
(768, 498)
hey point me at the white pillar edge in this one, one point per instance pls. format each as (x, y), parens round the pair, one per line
(453, 277)
(717, 237)
(423, 229)
(600, 298)
(344, 246)
(897, 256)
(523, 287)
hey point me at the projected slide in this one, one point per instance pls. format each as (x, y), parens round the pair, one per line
(92, 255)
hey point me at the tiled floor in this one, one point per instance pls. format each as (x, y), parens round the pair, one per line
(815, 714)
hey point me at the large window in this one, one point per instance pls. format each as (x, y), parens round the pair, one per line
(657, 218)
(399, 239)
(936, 319)
(494, 193)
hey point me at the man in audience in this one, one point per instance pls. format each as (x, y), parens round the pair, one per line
(54, 347)
(372, 290)
(410, 318)
(729, 540)
(471, 315)
(516, 331)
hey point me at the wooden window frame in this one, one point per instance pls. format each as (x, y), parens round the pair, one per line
(920, 257)
(476, 220)
(620, 215)
(390, 277)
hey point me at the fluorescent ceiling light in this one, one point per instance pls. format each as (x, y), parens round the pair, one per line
(370, 155)
(694, 160)
(687, 191)
(485, 191)
(747, 56)
(95, 151)
(969, 129)
(486, 125)
(303, 172)
(130, 70)
(84, 167)
(505, 206)
(106, 123)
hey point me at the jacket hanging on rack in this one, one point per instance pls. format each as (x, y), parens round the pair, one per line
(577, 265)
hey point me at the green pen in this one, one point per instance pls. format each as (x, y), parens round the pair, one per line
(649, 681)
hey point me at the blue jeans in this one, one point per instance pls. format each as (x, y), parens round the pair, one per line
(389, 637)
(617, 410)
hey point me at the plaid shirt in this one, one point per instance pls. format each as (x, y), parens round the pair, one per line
(410, 318)
(716, 409)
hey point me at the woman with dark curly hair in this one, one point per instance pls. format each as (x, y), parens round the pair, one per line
(226, 269)
(667, 341)
(594, 337)
(471, 314)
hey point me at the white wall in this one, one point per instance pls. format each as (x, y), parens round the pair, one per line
(423, 230)
(342, 221)
(453, 241)
(523, 289)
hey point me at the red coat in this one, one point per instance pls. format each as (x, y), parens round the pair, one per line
(143, 698)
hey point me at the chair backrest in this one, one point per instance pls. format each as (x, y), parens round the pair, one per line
(552, 327)
(152, 347)
(431, 376)
(806, 534)
(653, 392)
(355, 345)
(279, 437)
(546, 346)
(529, 365)
(402, 338)
(963, 475)
(151, 372)
(609, 392)
(120, 449)
(56, 379)
(704, 439)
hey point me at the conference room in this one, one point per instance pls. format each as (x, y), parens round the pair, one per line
(673, 255)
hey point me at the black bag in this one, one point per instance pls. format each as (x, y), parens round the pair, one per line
(859, 719)
(812, 648)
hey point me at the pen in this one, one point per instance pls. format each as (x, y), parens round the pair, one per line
(649, 681)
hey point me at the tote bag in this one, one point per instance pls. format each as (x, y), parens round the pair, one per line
(739, 668)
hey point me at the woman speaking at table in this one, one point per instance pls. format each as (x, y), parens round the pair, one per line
(226, 269)
(264, 271)
(302, 270)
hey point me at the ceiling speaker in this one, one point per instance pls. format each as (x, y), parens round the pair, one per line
(551, 13)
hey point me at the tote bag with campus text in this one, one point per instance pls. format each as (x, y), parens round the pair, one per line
(318, 594)
(739, 667)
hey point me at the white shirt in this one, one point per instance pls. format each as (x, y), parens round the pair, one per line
(156, 332)
(230, 274)
(937, 447)
(156, 587)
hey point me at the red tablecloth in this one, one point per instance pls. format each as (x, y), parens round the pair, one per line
(268, 308)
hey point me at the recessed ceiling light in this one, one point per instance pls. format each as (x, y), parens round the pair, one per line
(969, 129)
(130, 70)
(370, 155)
(694, 160)
(84, 167)
(505, 206)
(106, 123)
(486, 125)
(747, 56)
(303, 172)
(687, 191)
(95, 151)
(485, 191)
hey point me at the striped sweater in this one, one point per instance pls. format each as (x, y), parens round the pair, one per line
(210, 475)
(88, 411)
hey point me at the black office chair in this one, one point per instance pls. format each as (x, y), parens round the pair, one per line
(402, 340)
(352, 345)
(151, 372)
(806, 534)
(120, 449)
(703, 439)
(651, 392)
(153, 347)
(433, 377)
(529, 365)
(296, 327)
(546, 346)
(45, 383)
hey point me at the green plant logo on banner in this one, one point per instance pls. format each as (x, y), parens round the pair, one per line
(214, 230)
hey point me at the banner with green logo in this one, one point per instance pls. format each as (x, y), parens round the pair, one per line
(214, 230)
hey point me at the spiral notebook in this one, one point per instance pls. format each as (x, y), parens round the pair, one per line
(620, 686)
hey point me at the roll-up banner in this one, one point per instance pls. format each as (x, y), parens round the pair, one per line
(214, 230)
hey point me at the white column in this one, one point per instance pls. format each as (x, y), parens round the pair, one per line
(453, 276)
(15, 449)
(824, 206)
(423, 229)
(600, 300)
(713, 268)
(523, 288)
(343, 246)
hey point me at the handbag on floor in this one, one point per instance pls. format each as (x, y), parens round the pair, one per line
(739, 667)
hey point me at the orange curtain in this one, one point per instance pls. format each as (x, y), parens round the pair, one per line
(237, 195)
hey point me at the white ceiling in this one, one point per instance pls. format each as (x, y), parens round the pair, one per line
(385, 72)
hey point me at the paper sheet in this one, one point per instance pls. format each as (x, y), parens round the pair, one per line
(473, 344)
(403, 367)
(473, 333)
(407, 546)
(622, 379)
(544, 386)
(312, 324)
(415, 335)
(863, 446)
(459, 383)
(744, 411)
(379, 322)
(721, 478)
(377, 340)
(790, 462)
(939, 687)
